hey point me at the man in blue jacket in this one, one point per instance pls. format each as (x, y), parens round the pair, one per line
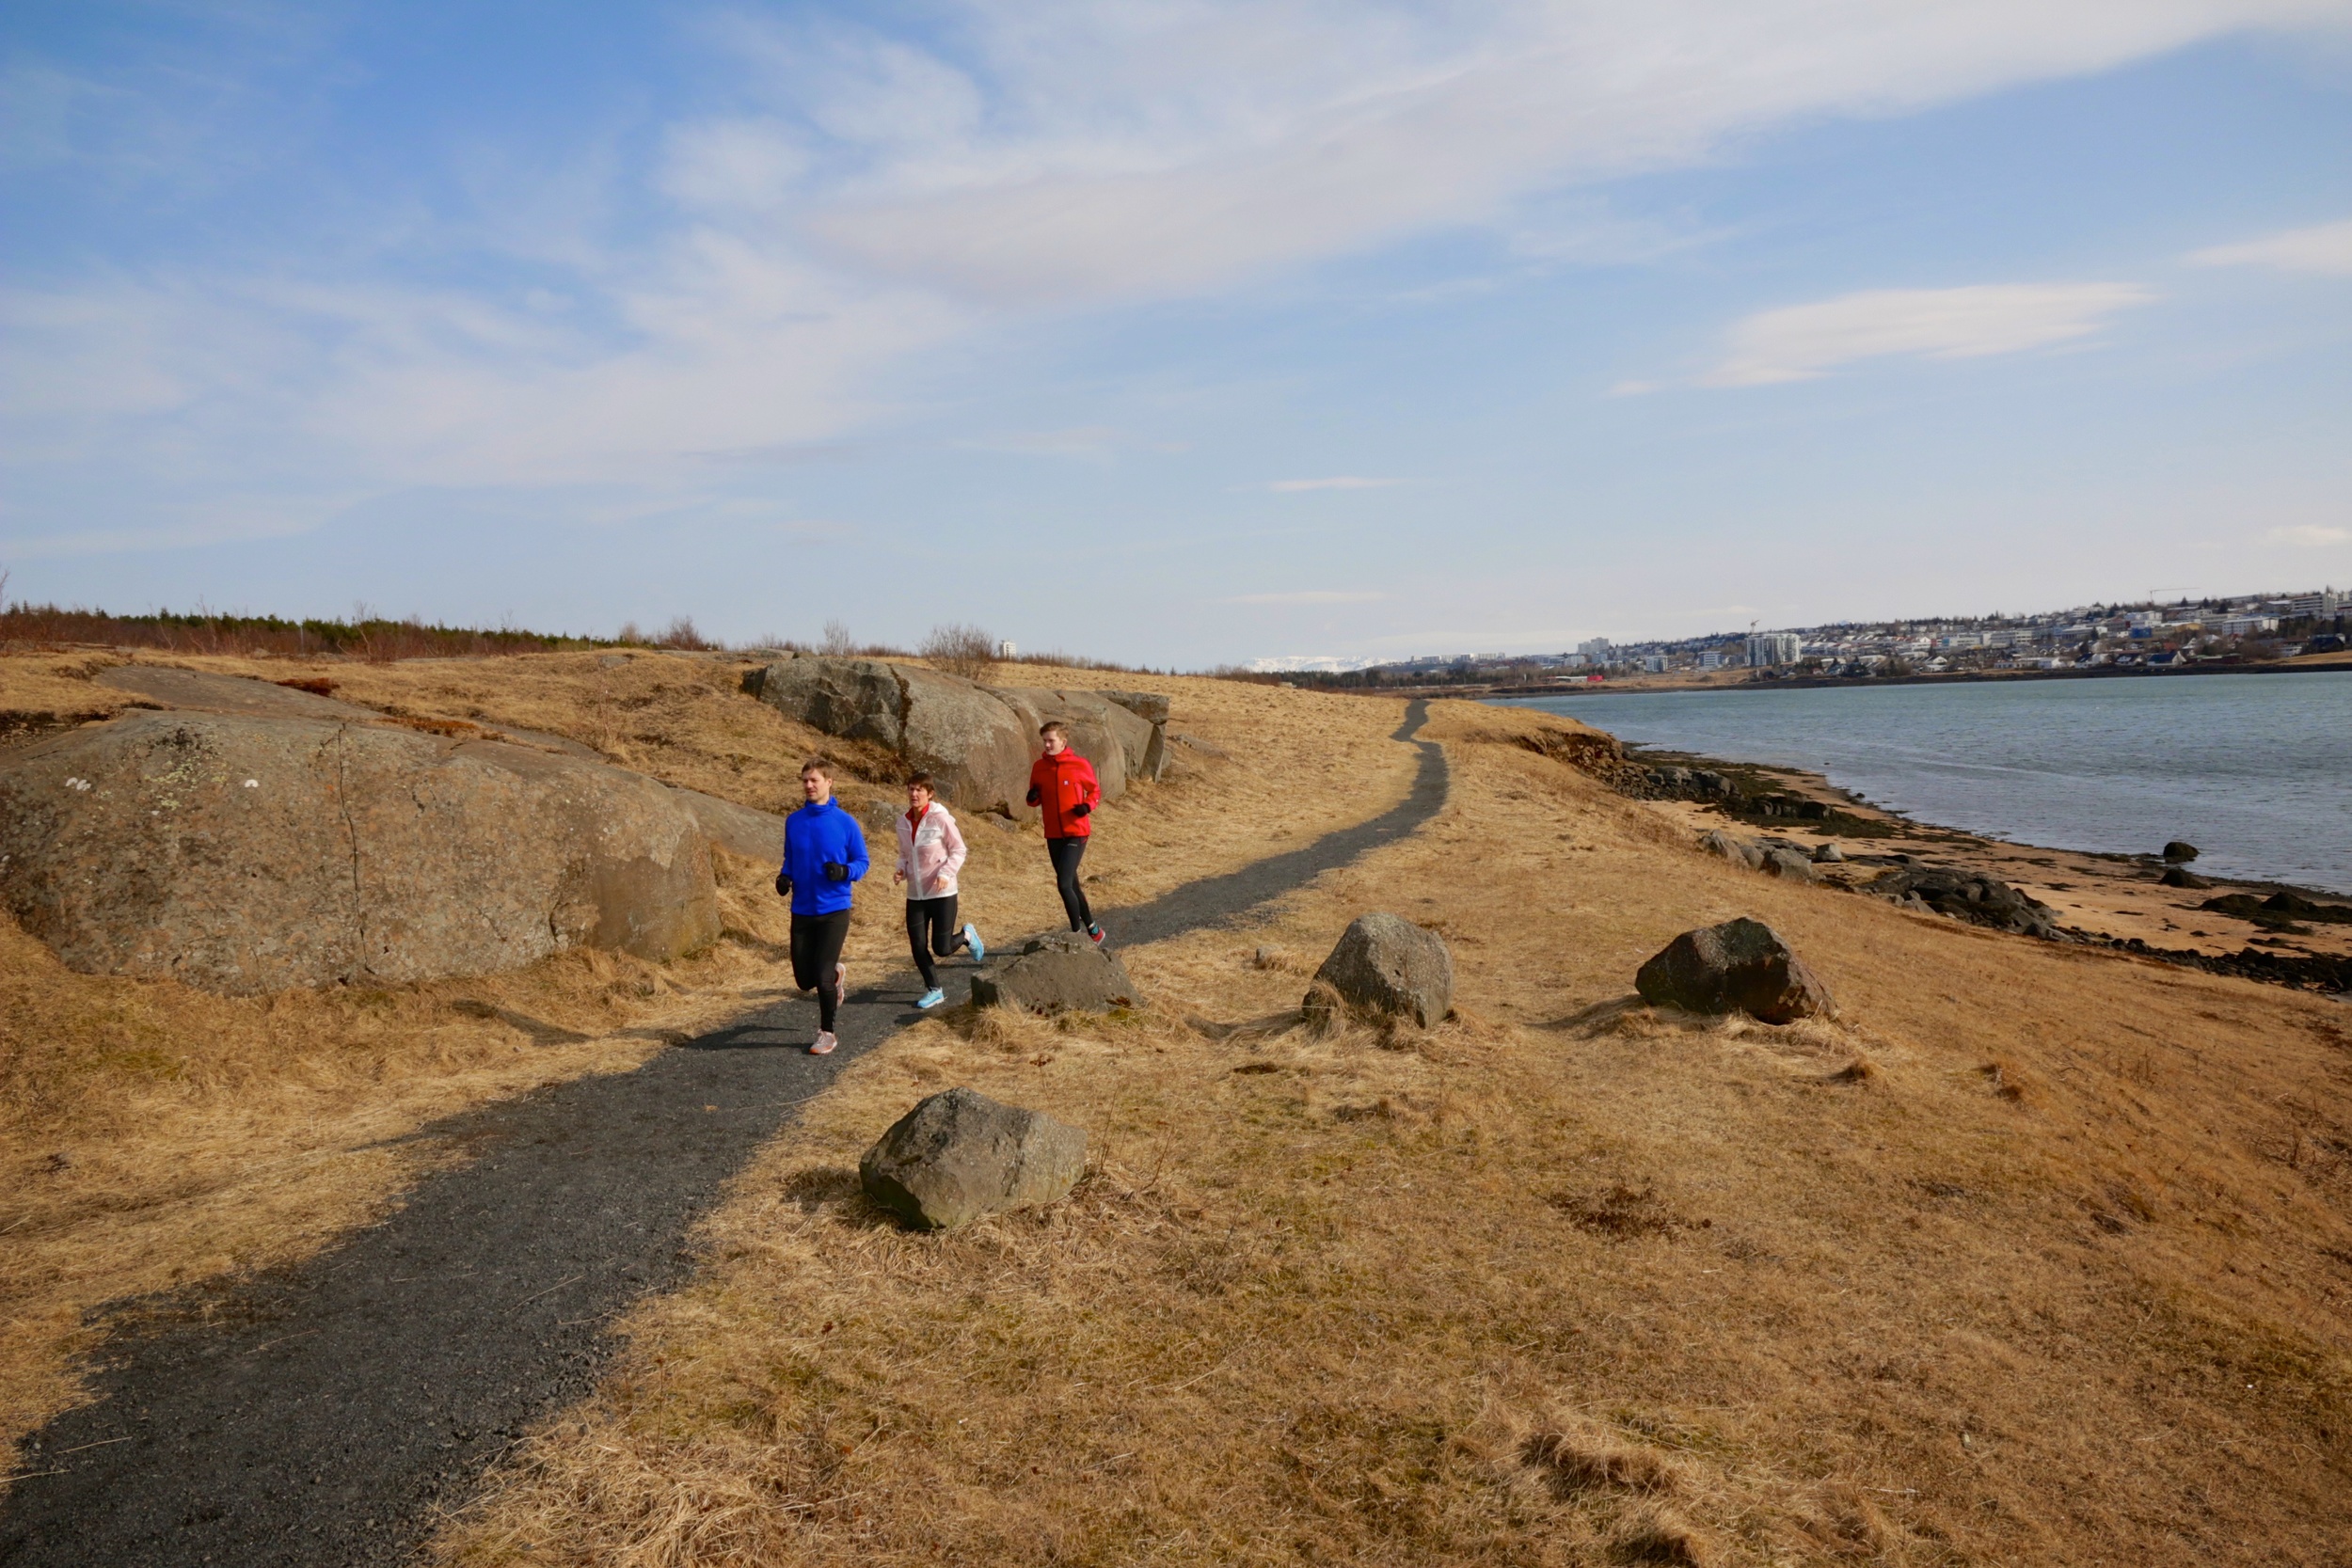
(823, 854)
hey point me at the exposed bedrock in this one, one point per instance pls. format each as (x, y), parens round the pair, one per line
(978, 741)
(247, 854)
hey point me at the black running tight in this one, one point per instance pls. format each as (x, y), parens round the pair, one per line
(931, 929)
(1066, 853)
(817, 941)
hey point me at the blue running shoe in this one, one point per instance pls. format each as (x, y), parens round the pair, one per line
(971, 940)
(931, 998)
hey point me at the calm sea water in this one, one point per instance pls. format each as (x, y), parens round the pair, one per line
(2255, 771)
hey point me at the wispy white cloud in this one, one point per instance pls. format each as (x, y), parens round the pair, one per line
(2309, 534)
(2323, 248)
(1309, 595)
(1337, 481)
(865, 199)
(1801, 342)
(1135, 153)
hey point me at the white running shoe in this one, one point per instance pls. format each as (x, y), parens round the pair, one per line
(823, 1044)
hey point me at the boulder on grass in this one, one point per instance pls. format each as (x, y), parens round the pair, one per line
(1738, 851)
(249, 854)
(1788, 864)
(960, 1155)
(1740, 966)
(1969, 896)
(1386, 965)
(1062, 972)
(1828, 854)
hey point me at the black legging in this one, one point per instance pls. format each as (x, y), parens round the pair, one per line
(1066, 853)
(817, 941)
(931, 929)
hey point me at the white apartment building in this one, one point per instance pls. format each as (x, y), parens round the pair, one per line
(1595, 650)
(1773, 647)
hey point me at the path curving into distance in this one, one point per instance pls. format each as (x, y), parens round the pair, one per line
(325, 1414)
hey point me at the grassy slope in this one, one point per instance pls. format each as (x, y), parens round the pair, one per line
(151, 1136)
(2036, 1255)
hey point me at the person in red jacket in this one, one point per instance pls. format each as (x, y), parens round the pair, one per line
(1063, 787)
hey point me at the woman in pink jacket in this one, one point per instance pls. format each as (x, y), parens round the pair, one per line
(930, 852)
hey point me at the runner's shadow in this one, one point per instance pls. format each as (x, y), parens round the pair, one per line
(754, 1036)
(836, 1191)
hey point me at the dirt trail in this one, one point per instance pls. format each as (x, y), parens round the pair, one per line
(330, 1413)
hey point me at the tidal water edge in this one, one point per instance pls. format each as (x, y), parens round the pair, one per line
(2256, 770)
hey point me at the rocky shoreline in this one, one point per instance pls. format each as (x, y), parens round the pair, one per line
(2146, 905)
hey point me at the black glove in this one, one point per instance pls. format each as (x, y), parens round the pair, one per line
(1035, 798)
(1081, 809)
(784, 884)
(837, 872)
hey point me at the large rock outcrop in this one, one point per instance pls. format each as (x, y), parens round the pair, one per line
(247, 854)
(1383, 965)
(978, 740)
(960, 1155)
(973, 742)
(1969, 896)
(1106, 735)
(1061, 972)
(1740, 966)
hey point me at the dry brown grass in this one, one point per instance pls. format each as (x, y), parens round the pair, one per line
(1329, 1297)
(151, 1136)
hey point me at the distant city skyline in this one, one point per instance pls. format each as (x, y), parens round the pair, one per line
(1180, 335)
(2324, 600)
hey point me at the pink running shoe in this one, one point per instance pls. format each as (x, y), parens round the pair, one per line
(823, 1044)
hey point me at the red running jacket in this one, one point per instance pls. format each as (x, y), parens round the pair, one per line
(1062, 782)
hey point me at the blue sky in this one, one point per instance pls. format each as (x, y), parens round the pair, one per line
(1179, 333)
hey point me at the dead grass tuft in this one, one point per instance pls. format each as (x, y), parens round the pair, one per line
(1650, 1533)
(1574, 1455)
(1622, 1211)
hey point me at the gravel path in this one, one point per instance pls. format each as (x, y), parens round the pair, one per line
(329, 1413)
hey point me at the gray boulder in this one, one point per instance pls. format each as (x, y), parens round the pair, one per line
(1740, 966)
(1738, 851)
(1056, 974)
(857, 698)
(739, 829)
(1385, 964)
(1828, 854)
(976, 744)
(1152, 707)
(2181, 875)
(970, 739)
(246, 854)
(1117, 742)
(1788, 864)
(960, 1155)
(1969, 896)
